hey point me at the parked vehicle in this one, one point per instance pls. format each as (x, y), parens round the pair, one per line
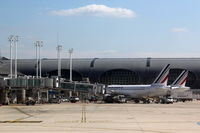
(167, 100)
(30, 101)
(55, 100)
(120, 99)
(64, 100)
(93, 99)
(74, 99)
(114, 99)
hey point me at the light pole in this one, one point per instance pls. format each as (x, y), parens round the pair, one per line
(38, 44)
(15, 42)
(11, 40)
(59, 48)
(0, 52)
(70, 68)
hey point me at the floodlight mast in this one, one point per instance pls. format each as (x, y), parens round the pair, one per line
(70, 56)
(40, 46)
(11, 40)
(16, 42)
(0, 53)
(36, 46)
(59, 49)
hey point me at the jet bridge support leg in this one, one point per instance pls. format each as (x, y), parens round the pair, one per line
(38, 96)
(70, 93)
(47, 95)
(21, 95)
(4, 97)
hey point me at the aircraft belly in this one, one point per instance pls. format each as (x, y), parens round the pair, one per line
(138, 93)
(157, 92)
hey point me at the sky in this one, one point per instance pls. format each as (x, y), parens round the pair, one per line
(102, 28)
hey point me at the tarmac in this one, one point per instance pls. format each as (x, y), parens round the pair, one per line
(101, 118)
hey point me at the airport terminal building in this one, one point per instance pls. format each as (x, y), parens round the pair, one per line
(111, 70)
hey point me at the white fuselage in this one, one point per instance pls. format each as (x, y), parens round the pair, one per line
(177, 88)
(138, 91)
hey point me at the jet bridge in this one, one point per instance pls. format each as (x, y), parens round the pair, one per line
(17, 90)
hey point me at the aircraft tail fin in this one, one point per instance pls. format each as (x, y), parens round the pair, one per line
(182, 78)
(162, 78)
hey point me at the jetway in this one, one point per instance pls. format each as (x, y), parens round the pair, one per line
(17, 90)
(82, 90)
(22, 82)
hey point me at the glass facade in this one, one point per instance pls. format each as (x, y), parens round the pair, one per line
(119, 76)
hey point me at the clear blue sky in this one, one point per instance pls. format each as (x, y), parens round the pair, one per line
(103, 28)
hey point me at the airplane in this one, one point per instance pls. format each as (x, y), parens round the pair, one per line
(157, 88)
(177, 86)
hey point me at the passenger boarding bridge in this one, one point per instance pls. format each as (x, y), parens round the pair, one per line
(17, 90)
